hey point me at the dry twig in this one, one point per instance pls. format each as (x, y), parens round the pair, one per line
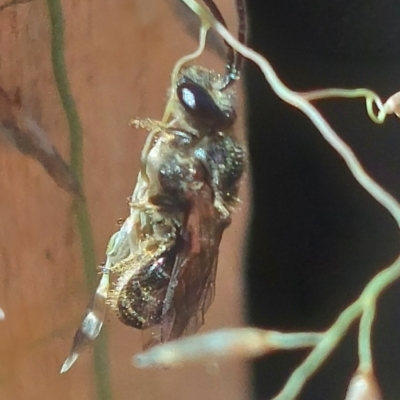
(30, 139)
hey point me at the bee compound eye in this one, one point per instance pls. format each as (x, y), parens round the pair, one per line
(200, 105)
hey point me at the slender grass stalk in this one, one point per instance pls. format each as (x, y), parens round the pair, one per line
(100, 356)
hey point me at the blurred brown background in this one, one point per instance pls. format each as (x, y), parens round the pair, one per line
(119, 55)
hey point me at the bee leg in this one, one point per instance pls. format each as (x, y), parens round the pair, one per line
(219, 204)
(92, 322)
(224, 161)
(202, 155)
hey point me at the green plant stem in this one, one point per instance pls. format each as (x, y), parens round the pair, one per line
(335, 333)
(364, 337)
(371, 98)
(100, 356)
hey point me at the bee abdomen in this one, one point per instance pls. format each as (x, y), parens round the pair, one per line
(138, 309)
(140, 302)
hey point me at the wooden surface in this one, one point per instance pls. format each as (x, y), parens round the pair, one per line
(119, 55)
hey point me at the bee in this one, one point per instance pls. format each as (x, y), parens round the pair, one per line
(160, 270)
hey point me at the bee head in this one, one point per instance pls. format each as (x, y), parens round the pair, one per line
(202, 105)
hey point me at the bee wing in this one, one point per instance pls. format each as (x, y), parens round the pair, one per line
(192, 285)
(91, 324)
(117, 250)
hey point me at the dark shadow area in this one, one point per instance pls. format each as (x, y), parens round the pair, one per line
(316, 237)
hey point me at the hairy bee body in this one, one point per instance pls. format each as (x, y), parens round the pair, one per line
(140, 302)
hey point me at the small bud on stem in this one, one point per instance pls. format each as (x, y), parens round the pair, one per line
(363, 386)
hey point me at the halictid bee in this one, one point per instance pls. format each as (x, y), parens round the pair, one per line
(160, 270)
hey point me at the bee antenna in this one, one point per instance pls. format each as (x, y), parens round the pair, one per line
(242, 30)
(234, 60)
